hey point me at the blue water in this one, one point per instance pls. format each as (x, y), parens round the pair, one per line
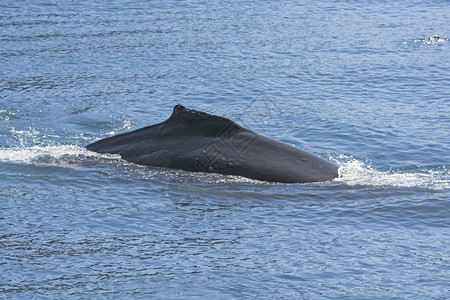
(362, 83)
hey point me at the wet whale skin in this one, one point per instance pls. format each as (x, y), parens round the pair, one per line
(200, 142)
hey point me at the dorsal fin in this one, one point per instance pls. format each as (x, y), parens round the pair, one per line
(181, 113)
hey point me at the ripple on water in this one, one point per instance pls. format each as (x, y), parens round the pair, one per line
(329, 76)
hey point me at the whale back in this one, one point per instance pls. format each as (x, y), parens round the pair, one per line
(197, 141)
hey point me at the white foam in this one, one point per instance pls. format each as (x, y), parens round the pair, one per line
(354, 172)
(432, 40)
(65, 155)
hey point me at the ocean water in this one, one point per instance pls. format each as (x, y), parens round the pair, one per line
(365, 84)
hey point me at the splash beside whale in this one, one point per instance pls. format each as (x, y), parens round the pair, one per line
(196, 141)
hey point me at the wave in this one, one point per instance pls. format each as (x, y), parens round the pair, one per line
(62, 156)
(356, 173)
(432, 40)
(353, 172)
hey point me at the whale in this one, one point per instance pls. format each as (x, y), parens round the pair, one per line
(197, 141)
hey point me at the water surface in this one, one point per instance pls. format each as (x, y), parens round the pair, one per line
(364, 84)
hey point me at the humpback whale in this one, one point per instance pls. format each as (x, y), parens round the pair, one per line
(196, 141)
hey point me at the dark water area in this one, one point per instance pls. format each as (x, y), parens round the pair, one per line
(363, 84)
